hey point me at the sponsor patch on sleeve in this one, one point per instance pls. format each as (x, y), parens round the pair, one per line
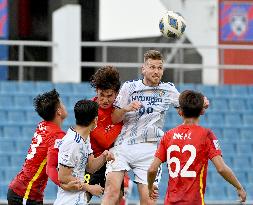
(216, 144)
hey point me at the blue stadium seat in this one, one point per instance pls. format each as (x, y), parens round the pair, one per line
(64, 88)
(248, 119)
(32, 117)
(244, 147)
(233, 119)
(6, 101)
(73, 99)
(206, 90)
(247, 134)
(27, 131)
(27, 87)
(250, 89)
(7, 145)
(250, 103)
(23, 145)
(241, 161)
(224, 90)
(16, 116)
(70, 120)
(3, 190)
(217, 132)
(80, 88)
(185, 86)
(175, 119)
(4, 160)
(228, 158)
(239, 90)
(3, 117)
(217, 192)
(11, 172)
(227, 148)
(17, 159)
(215, 119)
(51, 191)
(65, 99)
(11, 131)
(23, 101)
(231, 134)
(218, 104)
(241, 175)
(42, 87)
(249, 188)
(8, 87)
(232, 194)
(236, 104)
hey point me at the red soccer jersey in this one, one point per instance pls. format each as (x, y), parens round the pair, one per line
(104, 135)
(31, 181)
(187, 149)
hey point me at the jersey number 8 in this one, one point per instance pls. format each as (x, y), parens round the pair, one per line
(184, 172)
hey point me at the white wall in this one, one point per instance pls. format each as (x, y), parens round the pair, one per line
(121, 19)
(67, 37)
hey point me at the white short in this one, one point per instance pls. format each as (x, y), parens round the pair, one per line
(137, 157)
(70, 197)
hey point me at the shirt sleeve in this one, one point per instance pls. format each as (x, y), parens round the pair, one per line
(105, 136)
(123, 97)
(161, 152)
(52, 164)
(213, 146)
(68, 154)
(174, 96)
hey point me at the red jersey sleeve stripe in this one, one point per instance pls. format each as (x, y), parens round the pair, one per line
(35, 177)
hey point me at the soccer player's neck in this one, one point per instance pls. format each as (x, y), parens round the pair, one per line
(83, 131)
(191, 121)
(57, 121)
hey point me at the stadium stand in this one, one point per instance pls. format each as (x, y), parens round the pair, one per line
(230, 117)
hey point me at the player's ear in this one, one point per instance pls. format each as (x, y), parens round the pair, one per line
(202, 111)
(180, 112)
(142, 69)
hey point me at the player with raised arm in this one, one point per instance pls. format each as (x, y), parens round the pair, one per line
(142, 105)
(75, 155)
(187, 149)
(29, 184)
(107, 84)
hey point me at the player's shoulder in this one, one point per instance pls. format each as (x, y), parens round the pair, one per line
(71, 138)
(167, 86)
(131, 82)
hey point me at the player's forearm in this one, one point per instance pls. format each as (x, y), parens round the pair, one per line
(151, 177)
(118, 115)
(95, 164)
(229, 176)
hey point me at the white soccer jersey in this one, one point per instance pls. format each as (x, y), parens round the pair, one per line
(74, 153)
(145, 125)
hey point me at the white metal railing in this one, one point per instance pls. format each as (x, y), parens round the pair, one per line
(105, 45)
(21, 63)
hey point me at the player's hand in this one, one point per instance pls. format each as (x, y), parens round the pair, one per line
(153, 192)
(96, 190)
(206, 102)
(72, 186)
(242, 194)
(133, 106)
(108, 155)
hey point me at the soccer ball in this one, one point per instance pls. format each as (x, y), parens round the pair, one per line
(172, 25)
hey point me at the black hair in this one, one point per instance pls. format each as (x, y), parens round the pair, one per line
(46, 104)
(85, 112)
(106, 78)
(191, 103)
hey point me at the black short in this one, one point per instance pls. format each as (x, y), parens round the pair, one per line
(14, 199)
(98, 178)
